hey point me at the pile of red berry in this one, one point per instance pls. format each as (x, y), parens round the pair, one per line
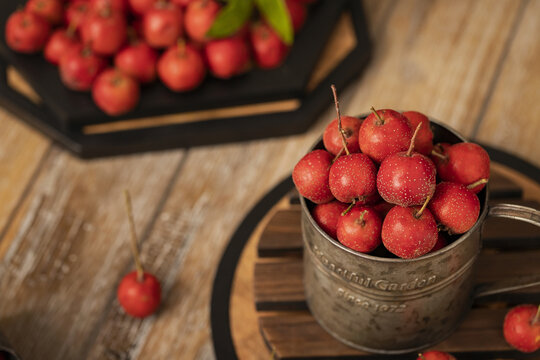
(381, 179)
(145, 39)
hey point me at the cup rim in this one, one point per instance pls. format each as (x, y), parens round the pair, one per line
(427, 256)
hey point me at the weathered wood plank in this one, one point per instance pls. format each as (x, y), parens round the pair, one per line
(279, 285)
(283, 235)
(437, 57)
(216, 187)
(68, 248)
(247, 339)
(443, 52)
(21, 152)
(509, 122)
(296, 335)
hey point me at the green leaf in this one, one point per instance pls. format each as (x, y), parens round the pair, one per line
(231, 18)
(277, 15)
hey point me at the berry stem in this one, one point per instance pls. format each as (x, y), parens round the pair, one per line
(134, 246)
(411, 146)
(536, 318)
(349, 208)
(476, 183)
(421, 356)
(71, 29)
(340, 129)
(419, 213)
(337, 155)
(438, 154)
(106, 11)
(360, 221)
(181, 43)
(441, 227)
(381, 121)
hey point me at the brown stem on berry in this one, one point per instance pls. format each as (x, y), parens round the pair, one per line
(439, 155)
(476, 183)
(181, 43)
(441, 227)
(338, 155)
(419, 213)
(134, 246)
(71, 28)
(360, 221)
(117, 78)
(421, 356)
(411, 146)
(381, 121)
(340, 129)
(349, 208)
(106, 11)
(87, 50)
(536, 319)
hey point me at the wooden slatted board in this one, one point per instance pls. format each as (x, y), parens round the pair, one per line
(289, 331)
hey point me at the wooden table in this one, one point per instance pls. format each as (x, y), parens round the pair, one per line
(473, 65)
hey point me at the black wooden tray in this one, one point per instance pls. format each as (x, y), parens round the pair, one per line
(72, 119)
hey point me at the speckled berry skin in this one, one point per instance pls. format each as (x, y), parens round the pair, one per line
(466, 164)
(519, 330)
(327, 216)
(332, 137)
(405, 235)
(310, 175)
(435, 355)
(381, 139)
(455, 207)
(352, 177)
(406, 180)
(360, 233)
(424, 139)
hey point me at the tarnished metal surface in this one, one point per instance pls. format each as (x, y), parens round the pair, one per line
(390, 305)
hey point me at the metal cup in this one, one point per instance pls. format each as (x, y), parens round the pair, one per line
(390, 305)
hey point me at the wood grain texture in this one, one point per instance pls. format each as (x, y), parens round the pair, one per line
(437, 57)
(216, 187)
(511, 120)
(297, 335)
(63, 250)
(248, 342)
(21, 151)
(68, 248)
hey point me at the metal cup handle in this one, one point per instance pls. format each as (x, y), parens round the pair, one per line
(516, 212)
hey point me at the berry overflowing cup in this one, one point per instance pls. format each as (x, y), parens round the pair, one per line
(391, 235)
